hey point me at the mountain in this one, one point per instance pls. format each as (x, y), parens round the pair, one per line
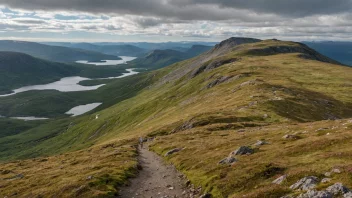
(18, 69)
(341, 51)
(53, 53)
(160, 58)
(232, 120)
(113, 49)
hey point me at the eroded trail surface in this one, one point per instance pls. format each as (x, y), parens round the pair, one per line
(156, 179)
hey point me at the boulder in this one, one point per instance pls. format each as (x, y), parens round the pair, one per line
(172, 151)
(280, 179)
(243, 150)
(316, 194)
(338, 189)
(260, 143)
(336, 170)
(306, 183)
(228, 160)
(348, 195)
(289, 136)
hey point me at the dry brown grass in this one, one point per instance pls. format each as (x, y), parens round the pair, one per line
(95, 172)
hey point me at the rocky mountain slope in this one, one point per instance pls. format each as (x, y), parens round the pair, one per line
(240, 116)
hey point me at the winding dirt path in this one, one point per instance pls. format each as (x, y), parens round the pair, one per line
(155, 180)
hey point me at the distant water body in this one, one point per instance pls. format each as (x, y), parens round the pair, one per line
(71, 84)
(82, 109)
(124, 60)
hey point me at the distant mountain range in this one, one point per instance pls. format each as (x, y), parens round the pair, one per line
(341, 51)
(117, 50)
(53, 53)
(160, 58)
(143, 45)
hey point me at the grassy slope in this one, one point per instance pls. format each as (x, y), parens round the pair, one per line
(295, 93)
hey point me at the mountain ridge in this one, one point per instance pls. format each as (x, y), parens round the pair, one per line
(53, 53)
(240, 94)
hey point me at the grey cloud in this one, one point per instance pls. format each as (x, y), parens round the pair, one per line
(190, 9)
(29, 21)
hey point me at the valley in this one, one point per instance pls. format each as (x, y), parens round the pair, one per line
(287, 104)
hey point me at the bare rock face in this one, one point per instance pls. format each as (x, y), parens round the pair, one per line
(243, 150)
(338, 189)
(306, 183)
(316, 194)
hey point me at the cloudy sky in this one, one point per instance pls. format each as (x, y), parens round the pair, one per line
(174, 20)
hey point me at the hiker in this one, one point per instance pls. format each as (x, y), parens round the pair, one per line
(141, 140)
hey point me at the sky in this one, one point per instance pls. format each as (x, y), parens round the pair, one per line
(174, 20)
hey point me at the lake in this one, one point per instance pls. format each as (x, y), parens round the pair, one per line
(30, 118)
(82, 109)
(124, 60)
(71, 84)
(67, 84)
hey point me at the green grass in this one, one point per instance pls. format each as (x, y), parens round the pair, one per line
(267, 97)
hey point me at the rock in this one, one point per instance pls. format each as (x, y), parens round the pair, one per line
(337, 189)
(325, 180)
(335, 170)
(316, 194)
(206, 195)
(305, 183)
(90, 177)
(243, 150)
(327, 174)
(260, 143)
(228, 160)
(175, 150)
(294, 137)
(280, 179)
(348, 195)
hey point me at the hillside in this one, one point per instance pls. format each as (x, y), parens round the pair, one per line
(17, 70)
(53, 53)
(289, 104)
(157, 59)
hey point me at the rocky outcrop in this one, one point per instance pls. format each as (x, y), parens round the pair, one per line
(306, 183)
(338, 189)
(316, 194)
(212, 65)
(304, 50)
(219, 80)
(228, 160)
(243, 150)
